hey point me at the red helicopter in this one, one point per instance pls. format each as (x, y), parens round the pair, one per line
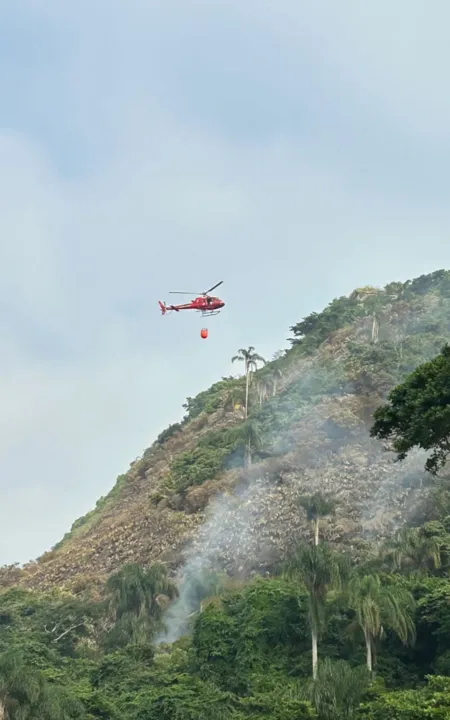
(204, 303)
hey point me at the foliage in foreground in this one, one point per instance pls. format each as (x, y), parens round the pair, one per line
(249, 652)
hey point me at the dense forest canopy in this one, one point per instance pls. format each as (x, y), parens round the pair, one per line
(333, 631)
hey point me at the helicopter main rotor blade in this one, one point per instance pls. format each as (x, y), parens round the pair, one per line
(175, 292)
(213, 288)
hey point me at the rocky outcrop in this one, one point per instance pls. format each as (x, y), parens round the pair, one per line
(256, 525)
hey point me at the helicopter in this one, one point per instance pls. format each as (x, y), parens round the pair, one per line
(204, 303)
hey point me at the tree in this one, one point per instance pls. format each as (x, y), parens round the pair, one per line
(414, 549)
(431, 701)
(278, 355)
(277, 374)
(368, 298)
(234, 398)
(320, 569)
(418, 412)
(376, 605)
(250, 432)
(316, 327)
(172, 695)
(338, 690)
(250, 360)
(268, 379)
(136, 600)
(68, 621)
(263, 386)
(317, 506)
(24, 692)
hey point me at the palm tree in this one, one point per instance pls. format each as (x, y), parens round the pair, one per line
(412, 548)
(320, 569)
(55, 703)
(18, 687)
(136, 599)
(338, 690)
(24, 692)
(250, 360)
(376, 605)
(263, 386)
(249, 434)
(317, 506)
(253, 436)
(277, 374)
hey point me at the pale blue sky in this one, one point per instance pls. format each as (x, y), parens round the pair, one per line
(293, 149)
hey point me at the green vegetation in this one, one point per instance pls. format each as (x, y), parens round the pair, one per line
(318, 568)
(328, 638)
(169, 432)
(311, 332)
(194, 468)
(317, 506)
(210, 400)
(418, 412)
(250, 359)
(314, 329)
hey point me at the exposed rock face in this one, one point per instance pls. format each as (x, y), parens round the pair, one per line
(259, 522)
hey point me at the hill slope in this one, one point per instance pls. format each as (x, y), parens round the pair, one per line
(309, 415)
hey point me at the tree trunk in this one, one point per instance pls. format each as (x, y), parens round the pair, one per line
(246, 392)
(375, 329)
(314, 653)
(316, 531)
(369, 661)
(248, 455)
(2, 710)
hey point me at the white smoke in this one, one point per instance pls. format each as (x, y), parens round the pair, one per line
(401, 487)
(228, 532)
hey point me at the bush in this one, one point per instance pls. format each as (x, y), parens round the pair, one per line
(168, 433)
(432, 701)
(194, 468)
(209, 400)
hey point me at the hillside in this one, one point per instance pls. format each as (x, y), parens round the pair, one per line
(309, 410)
